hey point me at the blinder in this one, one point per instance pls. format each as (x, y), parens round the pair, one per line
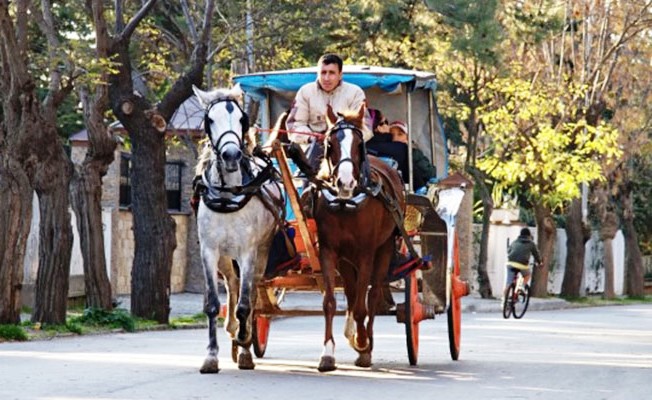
(244, 120)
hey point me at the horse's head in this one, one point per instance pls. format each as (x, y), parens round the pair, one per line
(344, 150)
(225, 124)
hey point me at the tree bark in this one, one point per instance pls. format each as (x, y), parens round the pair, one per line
(577, 236)
(546, 234)
(15, 217)
(487, 208)
(607, 234)
(86, 195)
(55, 248)
(634, 272)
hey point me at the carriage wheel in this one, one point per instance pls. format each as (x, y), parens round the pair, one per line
(411, 321)
(259, 334)
(455, 306)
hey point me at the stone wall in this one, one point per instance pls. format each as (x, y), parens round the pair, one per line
(123, 253)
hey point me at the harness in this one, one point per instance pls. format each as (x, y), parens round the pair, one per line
(227, 199)
(366, 186)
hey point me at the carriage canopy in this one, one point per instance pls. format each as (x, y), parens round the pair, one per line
(400, 94)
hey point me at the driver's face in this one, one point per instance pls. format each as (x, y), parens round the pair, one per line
(329, 76)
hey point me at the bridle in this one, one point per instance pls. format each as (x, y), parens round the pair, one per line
(365, 186)
(363, 170)
(244, 122)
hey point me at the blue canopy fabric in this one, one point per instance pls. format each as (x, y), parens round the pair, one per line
(387, 79)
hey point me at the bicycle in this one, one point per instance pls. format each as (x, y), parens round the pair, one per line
(517, 297)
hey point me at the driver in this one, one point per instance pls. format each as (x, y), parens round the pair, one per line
(308, 112)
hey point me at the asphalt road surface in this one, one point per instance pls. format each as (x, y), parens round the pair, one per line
(589, 353)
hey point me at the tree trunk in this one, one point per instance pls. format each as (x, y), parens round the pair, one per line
(546, 234)
(154, 228)
(55, 244)
(487, 209)
(577, 236)
(607, 234)
(483, 275)
(86, 195)
(634, 273)
(15, 217)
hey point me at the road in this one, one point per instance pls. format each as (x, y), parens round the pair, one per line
(589, 353)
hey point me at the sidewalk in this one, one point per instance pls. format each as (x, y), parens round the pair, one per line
(191, 303)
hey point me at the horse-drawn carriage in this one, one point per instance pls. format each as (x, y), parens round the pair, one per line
(348, 237)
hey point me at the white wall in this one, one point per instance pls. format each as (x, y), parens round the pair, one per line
(76, 261)
(593, 277)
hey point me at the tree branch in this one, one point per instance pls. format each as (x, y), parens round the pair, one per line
(133, 23)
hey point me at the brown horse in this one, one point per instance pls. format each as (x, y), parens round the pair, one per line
(356, 231)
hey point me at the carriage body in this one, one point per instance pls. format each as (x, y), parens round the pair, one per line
(400, 94)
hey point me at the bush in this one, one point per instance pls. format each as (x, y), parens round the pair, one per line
(12, 332)
(118, 318)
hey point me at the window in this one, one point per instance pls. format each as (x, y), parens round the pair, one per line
(173, 184)
(173, 174)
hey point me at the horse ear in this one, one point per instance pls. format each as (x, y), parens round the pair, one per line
(236, 91)
(361, 112)
(201, 96)
(332, 118)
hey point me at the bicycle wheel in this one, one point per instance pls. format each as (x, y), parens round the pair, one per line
(521, 301)
(508, 302)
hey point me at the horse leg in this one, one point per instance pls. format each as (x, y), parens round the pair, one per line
(328, 260)
(347, 272)
(361, 342)
(244, 311)
(211, 308)
(381, 266)
(231, 281)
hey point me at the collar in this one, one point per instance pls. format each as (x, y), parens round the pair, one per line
(335, 89)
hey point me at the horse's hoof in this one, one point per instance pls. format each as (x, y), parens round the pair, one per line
(364, 360)
(210, 366)
(326, 364)
(245, 361)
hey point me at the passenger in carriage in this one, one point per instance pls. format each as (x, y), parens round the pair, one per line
(391, 140)
(381, 145)
(422, 169)
(308, 112)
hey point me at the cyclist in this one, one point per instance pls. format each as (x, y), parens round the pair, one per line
(518, 258)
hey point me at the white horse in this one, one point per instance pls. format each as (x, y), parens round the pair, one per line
(236, 220)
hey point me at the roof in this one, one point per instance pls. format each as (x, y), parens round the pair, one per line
(387, 79)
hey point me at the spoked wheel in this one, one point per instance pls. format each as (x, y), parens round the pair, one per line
(521, 301)
(508, 302)
(458, 289)
(411, 320)
(259, 334)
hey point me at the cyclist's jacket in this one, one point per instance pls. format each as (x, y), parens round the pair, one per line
(519, 252)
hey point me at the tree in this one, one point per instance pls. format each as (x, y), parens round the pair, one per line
(543, 146)
(33, 158)
(146, 123)
(586, 50)
(86, 185)
(466, 68)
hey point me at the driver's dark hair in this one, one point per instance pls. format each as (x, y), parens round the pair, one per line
(331, 58)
